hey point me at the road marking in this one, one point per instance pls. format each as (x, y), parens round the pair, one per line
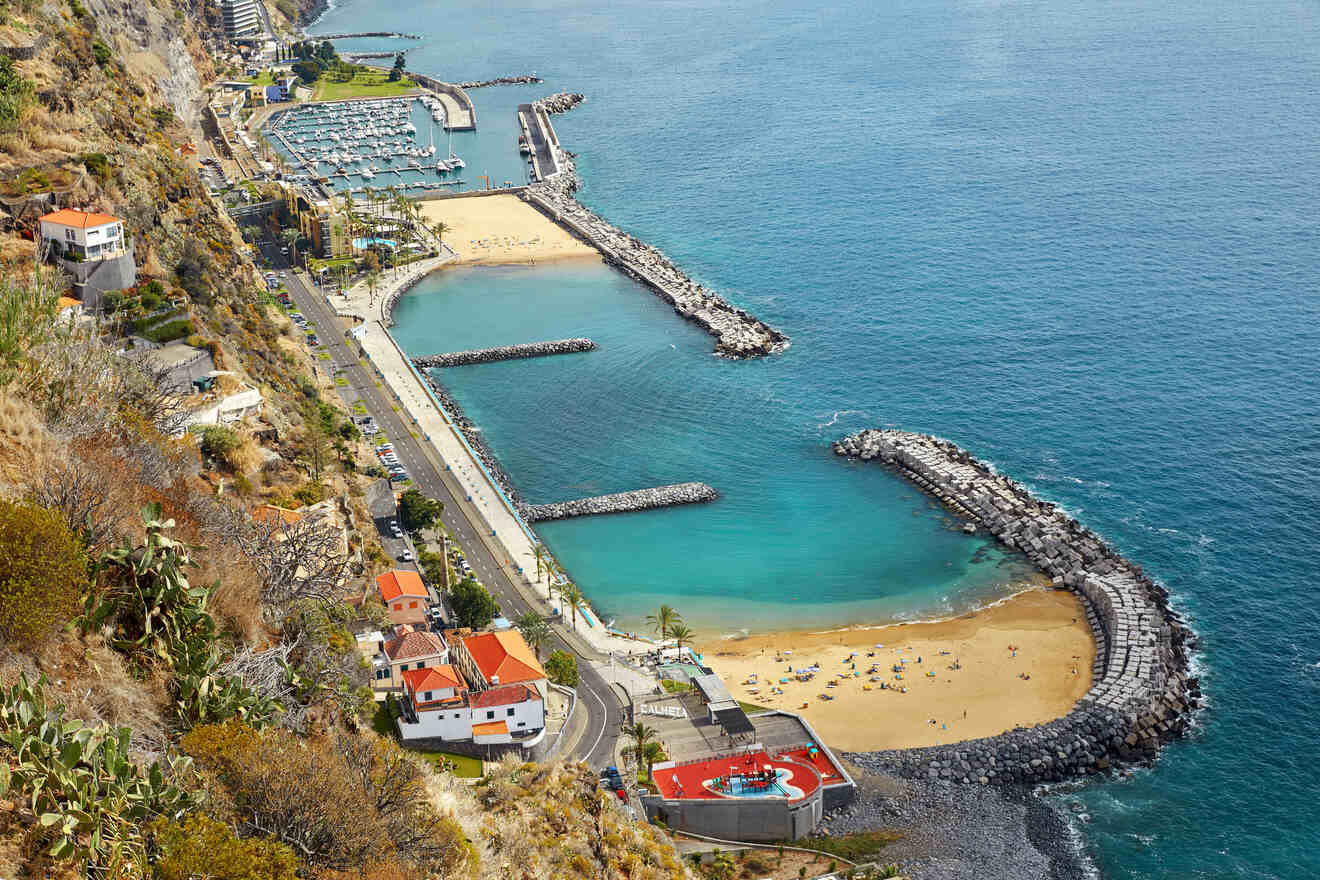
(604, 719)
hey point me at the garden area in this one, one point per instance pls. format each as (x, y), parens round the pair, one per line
(462, 766)
(364, 82)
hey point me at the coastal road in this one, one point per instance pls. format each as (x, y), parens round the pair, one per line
(604, 712)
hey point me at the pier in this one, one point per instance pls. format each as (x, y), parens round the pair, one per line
(1142, 694)
(460, 112)
(504, 353)
(738, 334)
(320, 37)
(623, 502)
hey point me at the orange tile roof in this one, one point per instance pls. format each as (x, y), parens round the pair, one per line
(489, 728)
(69, 302)
(503, 696)
(269, 513)
(80, 219)
(504, 655)
(414, 644)
(400, 582)
(433, 678)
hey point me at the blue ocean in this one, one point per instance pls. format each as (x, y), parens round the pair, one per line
(1079, 239)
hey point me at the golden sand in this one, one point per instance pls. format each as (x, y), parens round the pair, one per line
(502, 229)
(1024, 661)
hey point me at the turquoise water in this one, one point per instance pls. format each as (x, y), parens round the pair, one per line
(1078, 239)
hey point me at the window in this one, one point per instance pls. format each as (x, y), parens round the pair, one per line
(457, 714)
(398, 606)
(511, 712)
(421, 663)
(403, 668)
(490, 714)
(427, 698)
(68, 235)
(522, 723)
(412, 604)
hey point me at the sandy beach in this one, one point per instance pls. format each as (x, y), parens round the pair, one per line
(502, 229)
(1024, 661)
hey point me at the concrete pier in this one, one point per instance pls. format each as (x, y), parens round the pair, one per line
(504, 353)
(623, 502)
(1142, 694)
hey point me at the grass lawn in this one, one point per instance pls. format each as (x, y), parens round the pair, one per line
(463, 766)
(263, 79)
(862, 846)
(675, 687)
(363, 85)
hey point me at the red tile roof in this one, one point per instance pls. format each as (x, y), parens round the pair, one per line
(400, 582)
(503, 696)
(79, 219)
(489, 728)
(504, 655)
(433, 678)
(414, 644)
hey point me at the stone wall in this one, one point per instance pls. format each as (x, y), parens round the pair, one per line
(1141, 696)
(504, 353)
(623, 502)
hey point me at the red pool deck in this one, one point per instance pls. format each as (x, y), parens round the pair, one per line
(829, 774)
(691, 777)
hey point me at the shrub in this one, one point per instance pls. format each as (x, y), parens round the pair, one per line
(43, 573)
(562, 669)
(199, 846)
(170, 331)
(101, 52)
(473, 606)
(15, 91)
(417, 511)
(97, 165)
(220, 442)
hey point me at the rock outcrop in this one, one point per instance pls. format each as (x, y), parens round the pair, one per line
(504, 353)
(1141, 696)
(623, 502)
(501, 81)
(561, 102)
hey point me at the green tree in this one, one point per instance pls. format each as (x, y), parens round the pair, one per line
(570, 595)
(663, 620)
(199, 846)
(474, 606)
(417, 511)
(562, 669)
(681, 634)
(651, 753)
(540, 553)
(43, 573)
(640, 734)
(535, 631)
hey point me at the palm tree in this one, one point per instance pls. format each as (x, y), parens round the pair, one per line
(651, 753)
(640, 734)
(290, 237)
(572, 597)
(539, 552)
(535, 631)
(663, 620)
(440, 228)
(373, 282)
(681, 634)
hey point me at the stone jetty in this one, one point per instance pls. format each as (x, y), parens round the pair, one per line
(501, 81)
(1141, 696)
(391, 34)
(561, 102)
(623, 502)
(738, 334)
(504, 353)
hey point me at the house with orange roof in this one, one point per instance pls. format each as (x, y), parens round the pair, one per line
(437, 705)
(408, 649)
(404, 595)
(493, 659)
(90, 246)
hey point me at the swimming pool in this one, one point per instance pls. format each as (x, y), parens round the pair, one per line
(736, 787)
(363, 243)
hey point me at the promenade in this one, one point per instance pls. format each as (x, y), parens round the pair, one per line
(509, 539)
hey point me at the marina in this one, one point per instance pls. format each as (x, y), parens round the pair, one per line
(355, 145)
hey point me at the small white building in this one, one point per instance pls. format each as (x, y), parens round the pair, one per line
(437, 705)
(79, 235)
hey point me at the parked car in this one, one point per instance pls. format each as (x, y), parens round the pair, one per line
(406, 556)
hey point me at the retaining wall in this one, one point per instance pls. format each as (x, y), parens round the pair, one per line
(504, 353)
(1142, 695)
(623, 502)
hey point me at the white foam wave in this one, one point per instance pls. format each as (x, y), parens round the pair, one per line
(834, 419)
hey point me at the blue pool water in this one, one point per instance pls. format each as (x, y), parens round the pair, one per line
(362, 243)
(1079, 239)
(779, 788)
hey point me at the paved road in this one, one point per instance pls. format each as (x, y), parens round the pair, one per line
(604, 713)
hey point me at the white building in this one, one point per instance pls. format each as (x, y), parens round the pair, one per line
(436, 704)
(241, 18)
(82, 236)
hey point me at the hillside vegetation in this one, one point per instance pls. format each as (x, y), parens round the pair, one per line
(180, 694)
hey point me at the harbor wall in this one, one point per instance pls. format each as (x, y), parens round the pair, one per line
(504, 353)
(462, 97)
(623, 502)
(1142, 695)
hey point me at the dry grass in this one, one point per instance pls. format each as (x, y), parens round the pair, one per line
(24, 441)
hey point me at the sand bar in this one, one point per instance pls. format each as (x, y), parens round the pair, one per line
(978, 660)
(502, 229)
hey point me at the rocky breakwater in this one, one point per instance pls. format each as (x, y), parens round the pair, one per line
(737, 333)
(623, 502)
(472, 434)
(504, 353)
(561, 102)
(501, 81)
(1141, 696)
